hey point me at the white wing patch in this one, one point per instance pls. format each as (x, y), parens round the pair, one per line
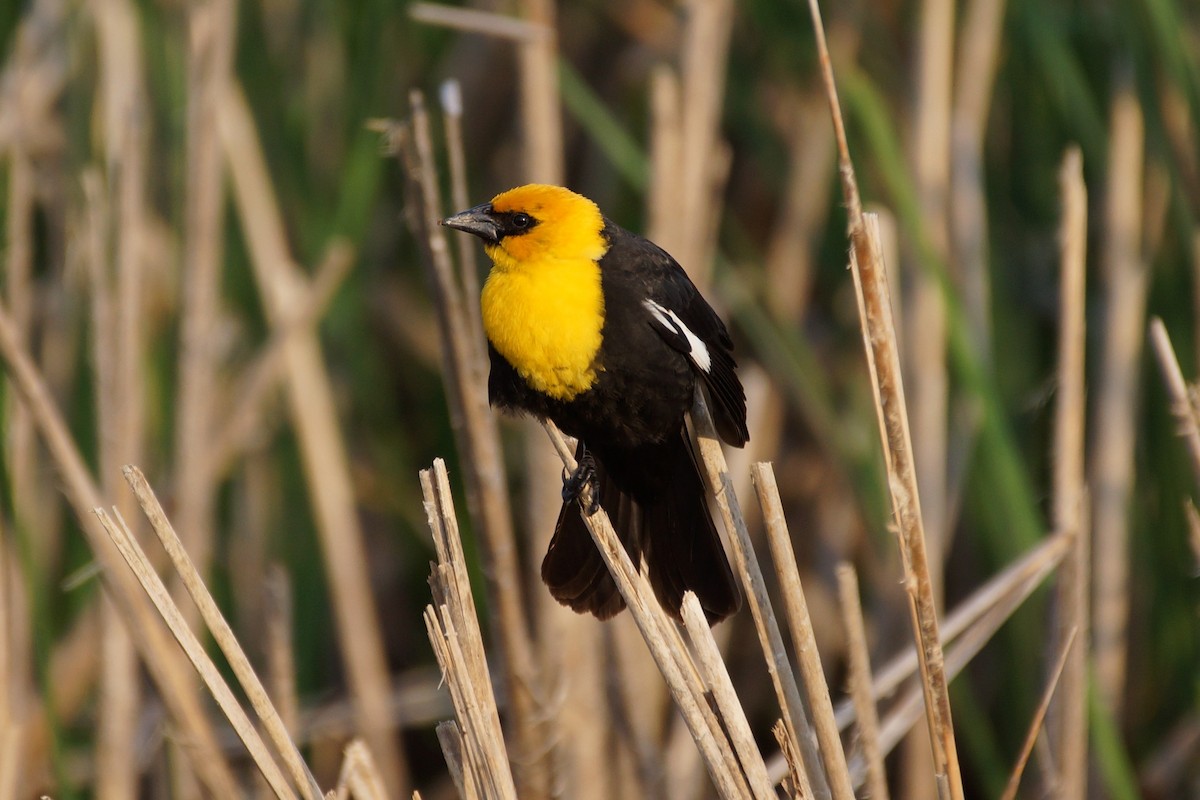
(668, 319)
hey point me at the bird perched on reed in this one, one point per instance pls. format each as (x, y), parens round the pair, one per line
(602, 332)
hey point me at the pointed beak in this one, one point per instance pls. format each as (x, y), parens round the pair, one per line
(477, 220)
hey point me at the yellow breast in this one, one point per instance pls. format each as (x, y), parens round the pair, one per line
(545, 318)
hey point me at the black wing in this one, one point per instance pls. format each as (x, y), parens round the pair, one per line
(688, 324)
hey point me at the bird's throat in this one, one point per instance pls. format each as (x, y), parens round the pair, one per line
(545, 317)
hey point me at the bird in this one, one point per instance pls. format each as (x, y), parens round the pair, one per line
(602, 332)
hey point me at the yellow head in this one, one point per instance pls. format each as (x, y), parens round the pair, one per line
(535, 223)
(542, 304)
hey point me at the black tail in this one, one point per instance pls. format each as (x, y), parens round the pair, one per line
(667, 525)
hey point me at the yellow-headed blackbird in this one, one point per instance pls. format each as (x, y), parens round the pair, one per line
(601, 331)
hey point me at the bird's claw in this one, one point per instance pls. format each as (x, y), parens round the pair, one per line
(584, 476)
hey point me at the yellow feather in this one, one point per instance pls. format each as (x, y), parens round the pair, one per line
(543, 309)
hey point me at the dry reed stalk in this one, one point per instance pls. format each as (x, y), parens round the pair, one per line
(1183, 408)
(210, 56)
(360, 778)
(20, 458)
(280, 652)
(803, 638)
(123, 106)
(541, 116)
(1069, 729)
(1193, 523)
(703, 65)
(73, 666)
(487, 23)
(1196, 291)
(156, 590)
(883, 362)
(230, 434)
(454, 632)
(866, 714)
(116, 665)
(1005, 590)
(641, 699)
(925, 309)
(1165, 772)
(451, 740)
(11, 767)
(1014, 780)
(788, 263)
(478, 442)
(715, 676)
(664, 642)
(468, 270)
(974, 79)
(664, 226)
(20, 450)
(967, 629)
(666, 160)
(1006, 598)
(572, 650)
(314, 416)
(193, 582)
(745, 564)
(14, 704)
(1110, 474)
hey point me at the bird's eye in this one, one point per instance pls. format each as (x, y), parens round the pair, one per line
(521, 220)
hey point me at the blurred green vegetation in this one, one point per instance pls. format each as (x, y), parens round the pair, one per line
(315, 72)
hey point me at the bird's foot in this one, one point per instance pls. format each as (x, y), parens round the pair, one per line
(584, 476)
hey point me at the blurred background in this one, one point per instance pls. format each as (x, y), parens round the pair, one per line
(207, 261)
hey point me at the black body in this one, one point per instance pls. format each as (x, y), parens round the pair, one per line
(631, 421)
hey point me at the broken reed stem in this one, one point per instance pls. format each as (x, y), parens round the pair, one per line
(795, 715)
(323, 452)
(256, 693)
(140, 565)
(663, 641)
(716, 677)
(879, 339)
(454, 632)
(803, 639)
(435, 486)
(1014, 780)
(1069, 729)
(866, 713)
(1182, 407)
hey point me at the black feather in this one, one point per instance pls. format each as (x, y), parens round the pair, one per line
(670, 529)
